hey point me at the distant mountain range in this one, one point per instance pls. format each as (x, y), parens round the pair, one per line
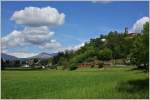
(8, 57)
(43, 55)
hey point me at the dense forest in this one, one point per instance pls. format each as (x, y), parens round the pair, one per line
(131, 48)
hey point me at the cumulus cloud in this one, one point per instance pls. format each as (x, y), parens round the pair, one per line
(15, 38)
(102, 1)
(53, 44)
(138, 25)
(37, 31)
(37, 23)
(74, 48)
(35, 17)
(39, 36)
(78, 46)
(22, 54)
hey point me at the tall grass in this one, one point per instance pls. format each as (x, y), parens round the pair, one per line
(82, 83)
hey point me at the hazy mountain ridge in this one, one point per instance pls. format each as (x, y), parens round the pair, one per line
(5, 56)
(42, 55)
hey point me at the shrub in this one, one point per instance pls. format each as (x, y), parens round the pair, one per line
(92, 65)
(100, 65)
(105, 54)
(73, 66)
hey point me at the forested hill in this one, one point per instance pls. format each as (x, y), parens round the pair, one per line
(114, 45)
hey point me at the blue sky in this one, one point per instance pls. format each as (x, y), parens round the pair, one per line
(83, 20)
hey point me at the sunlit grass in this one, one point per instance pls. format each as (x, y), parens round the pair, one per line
(81, 83)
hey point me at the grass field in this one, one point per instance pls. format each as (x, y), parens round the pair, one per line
(82, 83)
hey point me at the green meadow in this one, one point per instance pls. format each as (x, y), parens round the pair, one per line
(121, 82)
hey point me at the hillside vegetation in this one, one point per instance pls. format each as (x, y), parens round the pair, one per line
(130, 48)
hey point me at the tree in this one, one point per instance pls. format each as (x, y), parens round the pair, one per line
(44, 62)
(56, 59)
(105, 54)
(8, 63)
(2, 64)
(73, 66)
(140, 53)
(64, 62)
(17, 63)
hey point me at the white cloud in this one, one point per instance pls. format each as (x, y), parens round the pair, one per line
(37, 22)
(34, 16)
(138, 25)
(102, 1)
(22, 54)
(55, 45)
(13, 39)
(78, 46)
(39, 36)
(74, 48)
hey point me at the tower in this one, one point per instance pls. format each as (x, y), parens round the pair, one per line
(126, 30)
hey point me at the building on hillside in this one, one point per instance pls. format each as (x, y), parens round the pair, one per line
(95, 63)
(86, 64)
(33, 62)
(131, 35)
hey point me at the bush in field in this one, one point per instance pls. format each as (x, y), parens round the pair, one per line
(63, 62)
(92, 65)
(73, 66)
(53, 67)
(100, 65)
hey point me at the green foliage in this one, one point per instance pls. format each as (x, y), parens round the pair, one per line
(17, 63)
(64, 62)
(56, 59)
(50, 60)
(62, 58)
(44, 62)
(100, 65)
(116, 46)
(105, 54)
(140, 52)
(3, 64)
(73, 66)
